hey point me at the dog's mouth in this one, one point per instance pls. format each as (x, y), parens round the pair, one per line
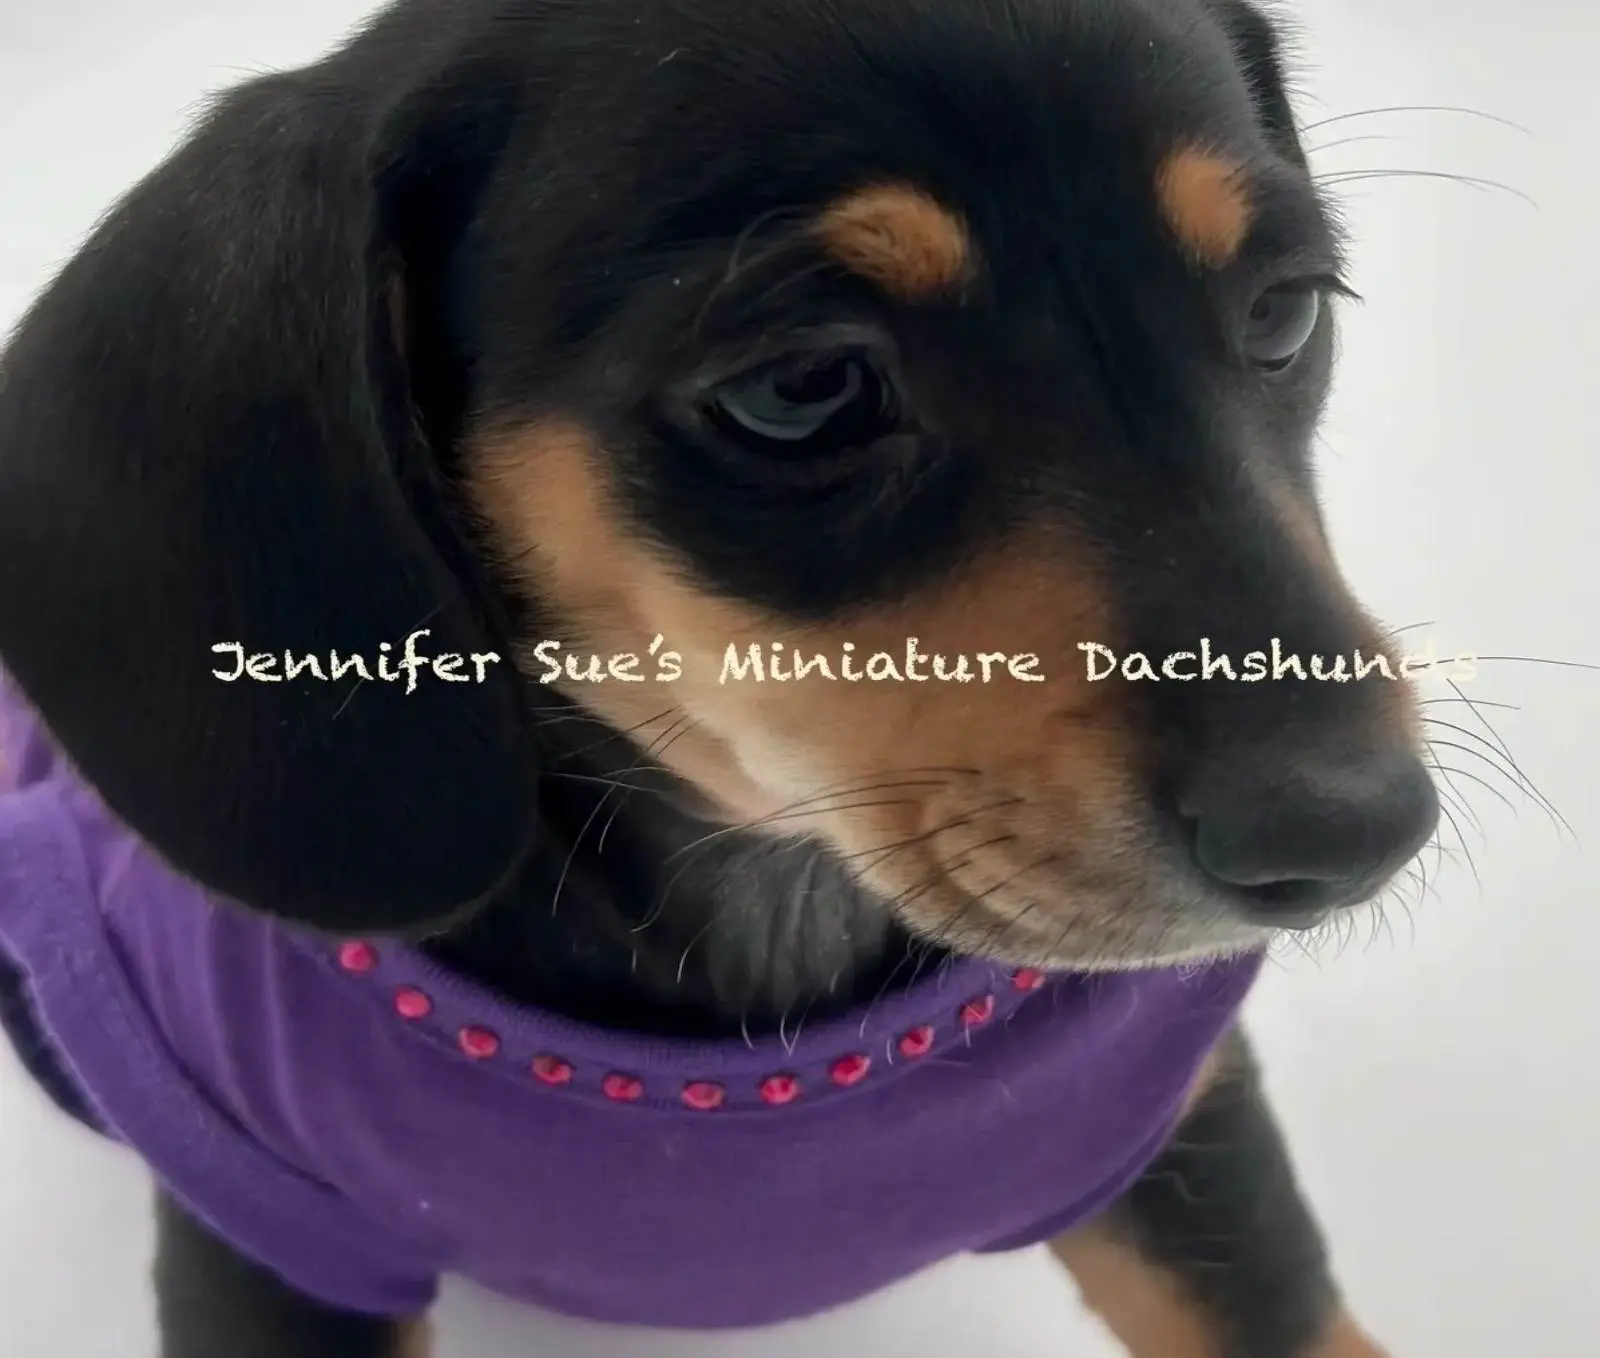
(978, 872)
(1064, 856)
(1037, 912)
(1030, 913)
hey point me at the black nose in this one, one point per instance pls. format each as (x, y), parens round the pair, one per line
(1292, 844)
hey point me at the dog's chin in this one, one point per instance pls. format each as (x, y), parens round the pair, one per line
(1087, 931)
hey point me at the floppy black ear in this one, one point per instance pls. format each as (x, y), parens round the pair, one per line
(1257, 42)
(208, 435)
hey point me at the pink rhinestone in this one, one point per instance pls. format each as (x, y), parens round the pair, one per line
(623, 1088)
(779, 1090)
(411, 1003)
(552, 1070)
(358, 958)
(917, 1042)
(478, 1043)
(975, 1013)
(703, 1095)
(850, 1070)
(1028, 979)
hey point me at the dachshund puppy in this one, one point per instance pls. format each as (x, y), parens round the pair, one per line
(556, 575)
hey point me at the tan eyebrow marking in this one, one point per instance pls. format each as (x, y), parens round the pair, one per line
(900, 238)
(1206, 202)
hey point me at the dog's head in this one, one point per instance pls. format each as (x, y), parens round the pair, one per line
(810, 325)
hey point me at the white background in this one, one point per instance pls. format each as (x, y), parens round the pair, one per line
(1440, 1081)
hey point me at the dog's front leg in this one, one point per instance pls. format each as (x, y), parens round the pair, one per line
(1214, 1252)
(211, 1303)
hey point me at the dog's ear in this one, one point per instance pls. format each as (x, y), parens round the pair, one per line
(1258, 46)
(210, 436)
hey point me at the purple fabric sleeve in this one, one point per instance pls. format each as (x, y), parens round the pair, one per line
(254, 1201)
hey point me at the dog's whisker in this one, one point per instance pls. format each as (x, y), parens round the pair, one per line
(1450, 797)
(816, 805)
(577, 842)
(1490, 756)
(1342, 178)
(1043, 861)
(1464, 702)
(614, 735)
(617, 782)
(1391, 633)
(1455, 827)
(1481, 782)
(1538, 660)
(658, 910)
(832, 805)
(960, 822)
(1562, 825)
(683, 960)
(1325, 147)
(657, 755)
(1393, 109)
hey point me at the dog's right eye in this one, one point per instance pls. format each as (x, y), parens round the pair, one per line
(1280, 324)
(805, 404)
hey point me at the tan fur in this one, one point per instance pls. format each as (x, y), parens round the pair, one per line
(1347, 1340)
(415, 1340)
(1005, 815)
(1149, 1315)
(1141, 1306)
(1206, 202)
(972, 797)
(1212, 1069)
(901, 239)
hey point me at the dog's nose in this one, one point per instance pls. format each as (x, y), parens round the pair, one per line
(1292, 844)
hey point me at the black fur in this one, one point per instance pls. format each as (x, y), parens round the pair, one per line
(236, 417)
(1221, 1213)
(207, 438)
(210, 1303)
(239, 415)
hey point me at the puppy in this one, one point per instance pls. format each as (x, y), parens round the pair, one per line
(541, 359)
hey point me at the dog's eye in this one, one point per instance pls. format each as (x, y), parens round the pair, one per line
(836, 400)
(1280, 324)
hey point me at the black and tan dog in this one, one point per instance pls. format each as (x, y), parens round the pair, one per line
(1000, 324)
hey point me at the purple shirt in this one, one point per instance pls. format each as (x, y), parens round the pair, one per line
(361, 1121)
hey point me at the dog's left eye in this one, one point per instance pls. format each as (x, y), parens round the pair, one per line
(1280, 324)
(836, 400)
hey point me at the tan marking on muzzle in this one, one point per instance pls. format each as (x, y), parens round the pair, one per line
(915, 780)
